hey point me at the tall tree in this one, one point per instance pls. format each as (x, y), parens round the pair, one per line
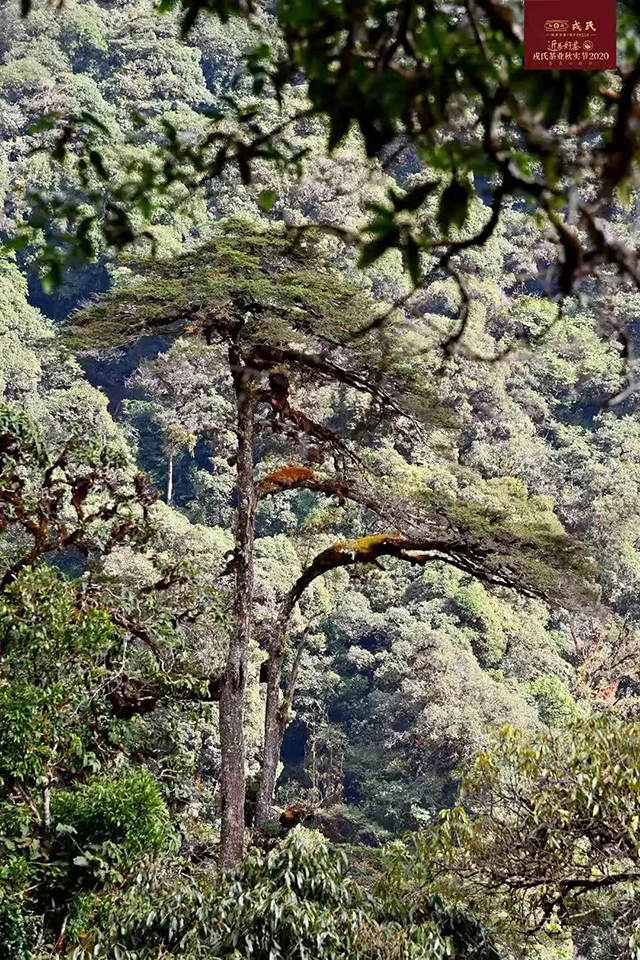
(180, 386)
(282, 327)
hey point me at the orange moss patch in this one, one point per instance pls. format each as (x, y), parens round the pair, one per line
(285, 478)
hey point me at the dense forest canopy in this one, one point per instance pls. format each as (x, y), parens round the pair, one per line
(319, 485)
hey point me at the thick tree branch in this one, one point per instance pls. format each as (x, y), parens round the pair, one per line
(265, 357)
(417, 551)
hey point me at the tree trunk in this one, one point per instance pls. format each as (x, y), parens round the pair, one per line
(170, 479)
(233, 775)
(276, 717)
(274, 727)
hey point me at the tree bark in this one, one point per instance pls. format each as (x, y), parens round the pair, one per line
(275, 720)
(276, 714)
(233, 774)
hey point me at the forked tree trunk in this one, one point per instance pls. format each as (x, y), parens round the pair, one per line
(276, 718)
(274, 726)
(233, 776)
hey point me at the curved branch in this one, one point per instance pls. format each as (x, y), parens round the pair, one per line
(418, 551)
(298, 477)
(282, 410)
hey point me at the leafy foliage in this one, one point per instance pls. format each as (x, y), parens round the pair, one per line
(368, 68)
(59, 835)
(294, 902)
(546, 821)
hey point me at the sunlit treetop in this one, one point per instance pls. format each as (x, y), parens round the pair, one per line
(280, 302)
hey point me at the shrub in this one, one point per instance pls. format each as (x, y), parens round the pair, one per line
(128, 814)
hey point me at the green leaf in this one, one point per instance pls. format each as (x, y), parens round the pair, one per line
(117, 227)
(267, 199)
(416, 197)
(373, 250)
(18, 242)
(340, 123)
(190, 17)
